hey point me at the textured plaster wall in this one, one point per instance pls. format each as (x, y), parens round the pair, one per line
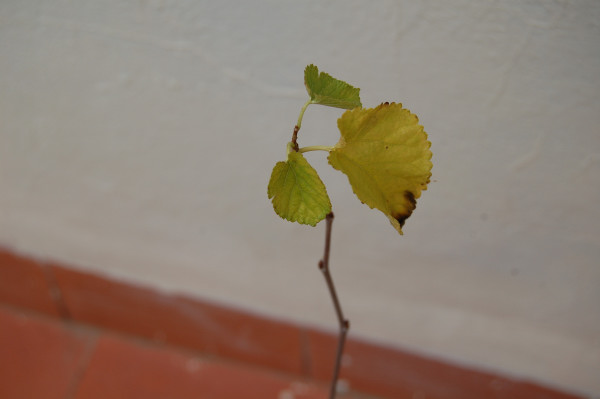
(137, 138)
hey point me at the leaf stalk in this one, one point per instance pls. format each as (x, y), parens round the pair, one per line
(315, 148)
(299, 124)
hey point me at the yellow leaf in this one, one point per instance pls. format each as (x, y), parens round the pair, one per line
(298, 193)
(385, 154)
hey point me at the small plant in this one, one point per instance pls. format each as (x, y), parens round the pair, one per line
(383, 151)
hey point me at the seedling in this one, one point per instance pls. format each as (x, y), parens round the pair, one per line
(383, 151)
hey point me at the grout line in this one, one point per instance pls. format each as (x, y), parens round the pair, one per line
(83, 366)
(56, 293)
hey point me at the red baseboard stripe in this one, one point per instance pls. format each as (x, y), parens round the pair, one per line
(64, 293)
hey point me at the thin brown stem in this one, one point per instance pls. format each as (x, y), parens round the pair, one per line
(343, 322)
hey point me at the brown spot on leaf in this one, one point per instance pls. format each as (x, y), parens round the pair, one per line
(410, 197)
(401, 218)
(412, 204)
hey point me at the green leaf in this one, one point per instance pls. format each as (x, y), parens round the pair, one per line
(385, 154)
(326, 90)
(297, 192)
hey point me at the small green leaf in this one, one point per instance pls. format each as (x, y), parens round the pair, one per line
(325, 90)
(297, 192)
(385, 154)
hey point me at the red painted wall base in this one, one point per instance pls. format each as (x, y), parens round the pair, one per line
(69, 295)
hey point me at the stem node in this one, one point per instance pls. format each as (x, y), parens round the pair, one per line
(295, 138)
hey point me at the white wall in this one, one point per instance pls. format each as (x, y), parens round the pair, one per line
(137, 139)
